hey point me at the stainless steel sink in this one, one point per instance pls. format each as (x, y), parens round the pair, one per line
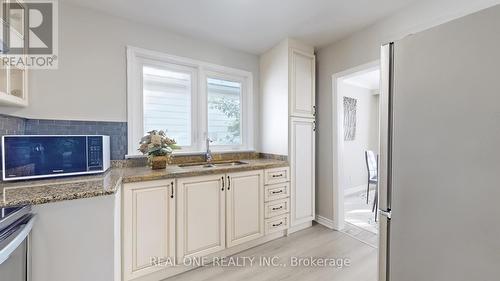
(200, 164)
(230, 163)
(212, 164)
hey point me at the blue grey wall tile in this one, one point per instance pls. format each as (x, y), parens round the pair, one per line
(117, 131)
(10, 125)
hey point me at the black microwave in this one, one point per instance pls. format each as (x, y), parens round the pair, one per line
(35, 156)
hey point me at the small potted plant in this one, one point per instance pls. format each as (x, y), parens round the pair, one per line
(158, 147)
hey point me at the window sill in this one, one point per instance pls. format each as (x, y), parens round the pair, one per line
(193, 153)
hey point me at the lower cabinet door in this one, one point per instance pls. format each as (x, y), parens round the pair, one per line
(302, 170)
(201, 216)
(245, 207)
(148, 227)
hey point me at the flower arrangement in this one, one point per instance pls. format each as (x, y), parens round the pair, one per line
(158, 147)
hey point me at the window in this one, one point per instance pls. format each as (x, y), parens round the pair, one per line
(190, 100)
(224, 111)
(167, 102)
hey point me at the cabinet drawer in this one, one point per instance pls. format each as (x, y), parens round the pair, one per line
(277, 224)
(276, 175)
(277, 191)
(276, 208)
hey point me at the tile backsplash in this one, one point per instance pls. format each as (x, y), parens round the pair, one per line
(10, 125)
(117, 131)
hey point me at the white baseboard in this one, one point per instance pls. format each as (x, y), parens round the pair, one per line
(324, 221)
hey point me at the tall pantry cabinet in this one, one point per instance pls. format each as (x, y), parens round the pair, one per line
(288, 109)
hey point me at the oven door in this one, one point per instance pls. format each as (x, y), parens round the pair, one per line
(15, 254)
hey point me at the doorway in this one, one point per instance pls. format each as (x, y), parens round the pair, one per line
(356, 98)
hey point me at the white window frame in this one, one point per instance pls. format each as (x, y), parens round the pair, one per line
(194, 88)
(137, 57)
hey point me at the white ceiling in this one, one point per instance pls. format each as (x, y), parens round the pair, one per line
(368, 80)
(253, 26)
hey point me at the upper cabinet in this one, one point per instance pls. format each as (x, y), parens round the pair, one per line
(14, 80)
(14, 87)
(287, 89)
(302, 86)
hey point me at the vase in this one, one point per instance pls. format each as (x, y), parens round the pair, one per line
(159, 162)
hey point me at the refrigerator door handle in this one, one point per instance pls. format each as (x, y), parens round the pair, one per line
(385, 214)
(384, 159)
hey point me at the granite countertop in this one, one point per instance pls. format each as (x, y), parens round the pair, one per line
(69, 188)
(136, 174)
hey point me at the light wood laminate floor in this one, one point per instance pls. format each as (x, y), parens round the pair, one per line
(361, 234)
(358, 212)
(317, 241)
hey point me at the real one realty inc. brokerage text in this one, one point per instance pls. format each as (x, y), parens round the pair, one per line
(238, 261)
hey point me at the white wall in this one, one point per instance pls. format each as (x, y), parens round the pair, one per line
(353, 155)
(361, 48)
(90, 83)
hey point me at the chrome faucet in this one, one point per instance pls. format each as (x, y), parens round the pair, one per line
(208, 154)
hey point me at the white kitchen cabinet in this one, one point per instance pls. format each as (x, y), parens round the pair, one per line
(276, 208)
(200, 216)
(276, 224)
(287, 97)
(244, 207)
(13, 79)
(276, 191)
(302, 169)
(287, 89)
(302, 84)
(14, 86)
(148, 226)
(277, 175)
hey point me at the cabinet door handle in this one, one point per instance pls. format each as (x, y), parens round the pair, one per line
(222, 183)
(277, 208)
(228, 183)
(314, 110)
(277, 176)
(172, 190)
(277, 192)
(275, 225)
(314, 126)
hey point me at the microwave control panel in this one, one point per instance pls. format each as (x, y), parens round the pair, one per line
(94, 153)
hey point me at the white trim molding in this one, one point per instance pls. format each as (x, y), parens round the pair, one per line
(325, 222)
(338, 143)
(199, 71)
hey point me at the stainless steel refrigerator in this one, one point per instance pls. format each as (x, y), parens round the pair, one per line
(440, 153)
